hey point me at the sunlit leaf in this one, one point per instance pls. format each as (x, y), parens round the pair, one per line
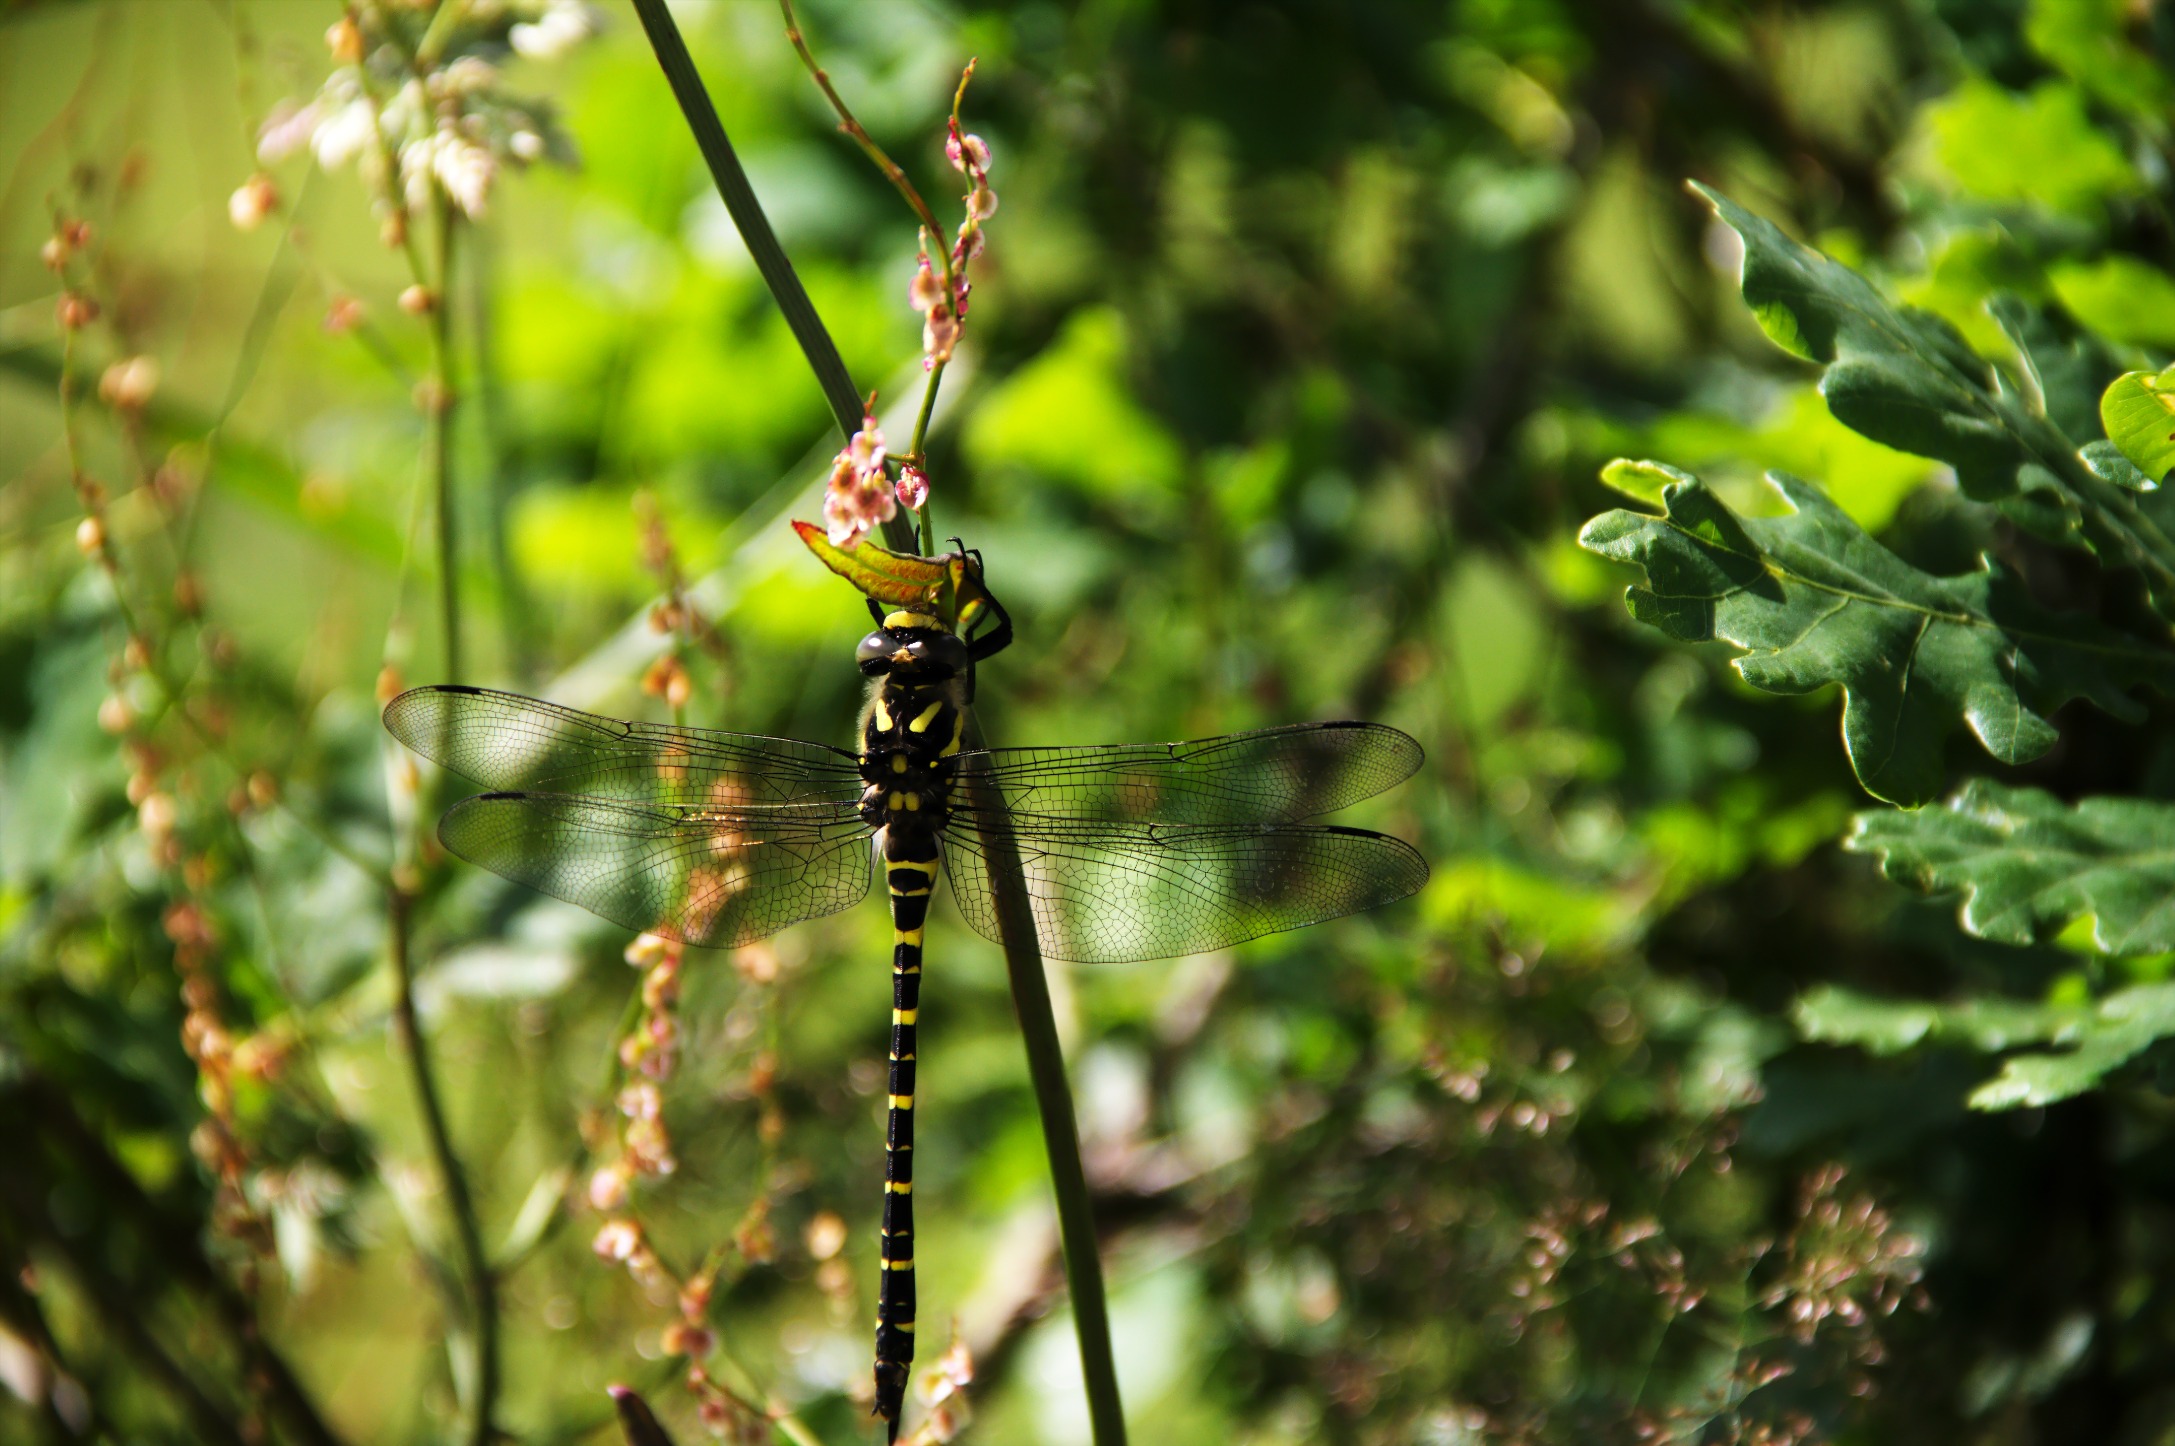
(2139, 412)
(1813, 600)
(1906, 378)
(2039, 146)
(2028, 864)
(2087, 1040)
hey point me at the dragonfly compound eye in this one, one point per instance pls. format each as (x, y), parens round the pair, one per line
(874, 654)
(947, 654)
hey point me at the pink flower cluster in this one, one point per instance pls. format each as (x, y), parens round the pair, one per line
(859, 496)
(942, 313)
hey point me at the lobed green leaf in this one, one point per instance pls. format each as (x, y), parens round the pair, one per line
(2091, 1040)
(2029, 865)
(1813, 600)
(1907, 378)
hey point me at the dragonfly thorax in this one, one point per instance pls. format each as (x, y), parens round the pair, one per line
(910, 738)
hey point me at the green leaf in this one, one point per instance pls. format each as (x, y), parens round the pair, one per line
(2120, 297)
(2029, 865)
(898, 579)
(2090, 42)
(2139, 413)
(1834, 1015)
(2122, 1026)
(2064, 365)
(1906, 378)
(2092, 1039)
(2038, 147)
(1813, 600)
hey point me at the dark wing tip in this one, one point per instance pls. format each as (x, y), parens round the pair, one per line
(1410, 871)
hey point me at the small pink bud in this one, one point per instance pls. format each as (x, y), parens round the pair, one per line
(618, 1240)
(343, 316)
(90, 536)
(418, 300)
(608, 1188)
(252, 201)
(913, 487)
(156, 815)
(924, 291)
(127, 385)
(345, 40)
(114, 715)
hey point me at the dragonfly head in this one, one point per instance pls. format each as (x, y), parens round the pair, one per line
(912, 646)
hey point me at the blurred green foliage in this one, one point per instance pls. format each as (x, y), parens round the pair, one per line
(1302, 337)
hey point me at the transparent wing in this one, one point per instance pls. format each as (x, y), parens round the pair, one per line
(510, 743)
(1104, 892)
(712, 877)
(1275, 775)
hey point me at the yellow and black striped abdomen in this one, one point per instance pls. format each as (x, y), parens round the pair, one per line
(909, 739)
(910, 868)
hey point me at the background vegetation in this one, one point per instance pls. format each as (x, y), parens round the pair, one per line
(1303, 335)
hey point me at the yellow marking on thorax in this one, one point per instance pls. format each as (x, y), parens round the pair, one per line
(883, 714)
(895, 801)
(926, 717)
(959, 731)
(910, 620)
(898, 763)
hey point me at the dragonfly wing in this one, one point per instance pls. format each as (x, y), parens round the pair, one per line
(705, 876)
(510, 743)
(1272, 776)
(1108, 892)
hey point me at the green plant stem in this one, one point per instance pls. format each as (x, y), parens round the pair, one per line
(747, 214)
(438, 402)
(1053, 1100)
(482, 1280)
(854, 128)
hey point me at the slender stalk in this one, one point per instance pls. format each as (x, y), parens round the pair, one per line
(482, 1280)
(438, 403)
(747, 213)
(1023, 954)
(861, 137)
(1053, 1100)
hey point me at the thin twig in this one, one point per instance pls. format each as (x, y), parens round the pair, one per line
(482, 1280)
(438, 401)
(861, 137)
(747, 216)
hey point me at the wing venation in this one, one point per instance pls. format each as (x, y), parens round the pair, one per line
(512, 744)
(1267, 777)
(717, 878)
(1105, 892)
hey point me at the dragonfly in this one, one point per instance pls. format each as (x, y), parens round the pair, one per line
(1130, 851)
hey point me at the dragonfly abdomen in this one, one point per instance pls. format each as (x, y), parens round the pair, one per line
(910, 858)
